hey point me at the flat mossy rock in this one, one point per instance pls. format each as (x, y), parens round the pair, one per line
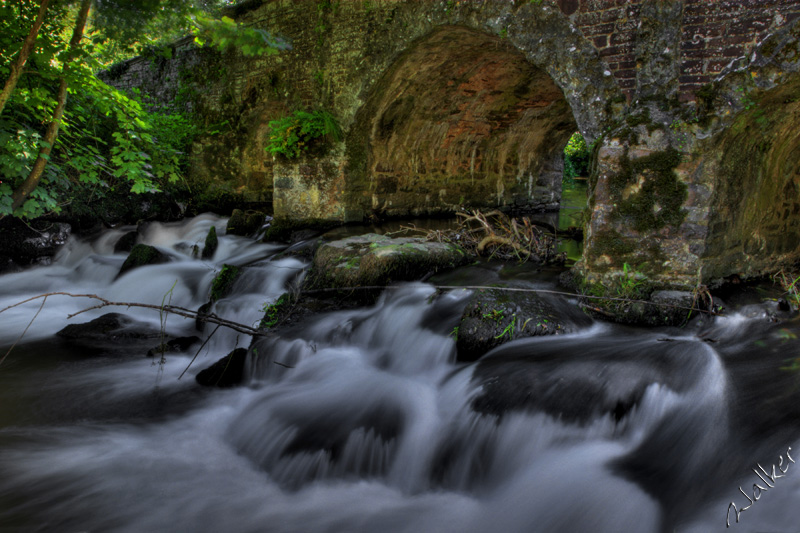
(227, 372)
(141, 255)
(493, 317)
(377, 260)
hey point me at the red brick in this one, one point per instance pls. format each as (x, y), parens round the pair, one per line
(694, 79)
(598, 29)
(616, 50)
(716, 65)
(601, 41)
(620, 38)
(625, 73)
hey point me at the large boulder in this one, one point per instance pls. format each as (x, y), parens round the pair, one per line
(373, 260)
(141, 255)
(126, 242)
(30, 244)
(111, 326)
(495, 316)
(227, 372)
(245, 222)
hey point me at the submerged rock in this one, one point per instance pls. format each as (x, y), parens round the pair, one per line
(227, 372)
(141, 255)
(494, 317)
(110, 326)
(176, 345)
(579, 379)
(377, 260)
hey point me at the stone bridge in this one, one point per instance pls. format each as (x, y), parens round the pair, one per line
(693, 107)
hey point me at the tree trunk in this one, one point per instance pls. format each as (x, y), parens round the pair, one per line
(30, 183)
(19, 64)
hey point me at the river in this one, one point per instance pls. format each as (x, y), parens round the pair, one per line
(361, 421)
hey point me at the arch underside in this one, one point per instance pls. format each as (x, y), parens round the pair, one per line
(754, 224)
(461, 120)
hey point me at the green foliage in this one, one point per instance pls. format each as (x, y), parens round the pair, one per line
(745, 99)
(628, 284)
(576, 157)
(509, 329)
(273, 312)
(301, 132)
(790, 283)
(107, 139)
(225, 33)
(223, 282)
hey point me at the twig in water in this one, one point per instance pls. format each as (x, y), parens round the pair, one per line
(25, 331)
(199, 350)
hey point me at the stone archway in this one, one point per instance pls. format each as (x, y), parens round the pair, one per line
(461, 119)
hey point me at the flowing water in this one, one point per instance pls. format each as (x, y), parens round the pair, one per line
(361, 421)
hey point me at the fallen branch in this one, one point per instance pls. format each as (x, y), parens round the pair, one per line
(174, 309)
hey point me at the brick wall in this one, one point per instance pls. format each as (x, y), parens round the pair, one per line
(713, 33)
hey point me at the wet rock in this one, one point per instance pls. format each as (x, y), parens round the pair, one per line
(211, 243)
(245, 222)
(494, 317)
(111, 326)
(377, 260)
(176, 345)
(227, 372)
(223, 281)
(126, 242)
(30, 244)
(662, 308)
(141, 255)
(202, 314)
(579, 379)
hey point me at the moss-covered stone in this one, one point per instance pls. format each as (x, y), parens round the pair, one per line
(211, 244)
(373, 260)
(494, 317)
(245, 222)
(648, 193)
(142, 255)
(223, 282)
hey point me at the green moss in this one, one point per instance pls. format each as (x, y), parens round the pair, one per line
(141, 255)
(660, 196)
(223, 282)
(275, 311)
(642, 118)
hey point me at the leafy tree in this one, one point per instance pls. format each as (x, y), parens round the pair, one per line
(576, 157)
(61, 128)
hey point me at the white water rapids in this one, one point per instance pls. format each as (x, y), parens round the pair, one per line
(363, 422)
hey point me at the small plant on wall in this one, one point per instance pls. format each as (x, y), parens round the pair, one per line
(302, 132)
